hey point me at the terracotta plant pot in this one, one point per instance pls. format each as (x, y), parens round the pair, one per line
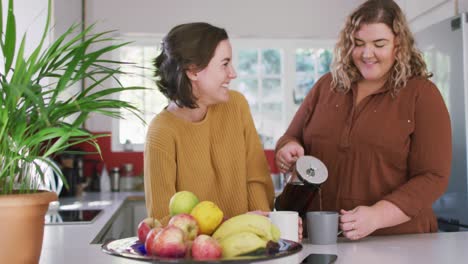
(22, 226)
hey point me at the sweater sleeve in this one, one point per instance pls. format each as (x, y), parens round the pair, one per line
(159, 172)
(259, 184)
(430, 154)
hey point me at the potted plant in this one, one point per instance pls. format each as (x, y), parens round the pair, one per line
(38, 119)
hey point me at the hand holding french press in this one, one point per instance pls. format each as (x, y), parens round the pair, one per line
(287, 156)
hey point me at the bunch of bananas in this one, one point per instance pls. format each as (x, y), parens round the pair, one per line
(245, 233)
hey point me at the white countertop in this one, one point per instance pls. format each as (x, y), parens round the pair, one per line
(71, 244)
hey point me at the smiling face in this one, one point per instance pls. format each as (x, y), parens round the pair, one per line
(374, 53)
(211, 85)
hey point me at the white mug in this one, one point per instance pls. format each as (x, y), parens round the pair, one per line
(287, 222)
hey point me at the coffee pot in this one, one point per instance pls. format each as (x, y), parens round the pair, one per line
(303, 185)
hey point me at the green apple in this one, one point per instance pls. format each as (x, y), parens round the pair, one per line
(182, 202)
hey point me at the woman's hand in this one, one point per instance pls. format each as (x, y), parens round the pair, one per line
(287, 155)
(363, 220)
(359, 222)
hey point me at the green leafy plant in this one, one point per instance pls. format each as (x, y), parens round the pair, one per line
(40, 115)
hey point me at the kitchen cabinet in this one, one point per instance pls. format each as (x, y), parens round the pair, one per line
(124, 222)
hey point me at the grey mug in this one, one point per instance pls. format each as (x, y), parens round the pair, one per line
(322, 227)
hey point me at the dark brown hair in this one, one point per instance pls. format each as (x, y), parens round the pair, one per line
(409, 61)
(186, 47)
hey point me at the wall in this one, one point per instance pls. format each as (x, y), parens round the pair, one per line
(259, 18)
(463, 5)
(422, 14)
(30, 17)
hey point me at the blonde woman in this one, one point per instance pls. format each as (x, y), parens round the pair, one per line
(379, 125)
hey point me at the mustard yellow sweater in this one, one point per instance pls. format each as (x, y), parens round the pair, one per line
(219, 159)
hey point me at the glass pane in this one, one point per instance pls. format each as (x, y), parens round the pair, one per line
(304, 60)
(131, 54)
(441, 69)
(271, 89)
(304, 82)
(248, 62)
(249, 88)
(311, 64)
(149, 101)
(270, 128)
(269, 108)
(271, 62)
(131, 128)
(155, 101)
(325, 60)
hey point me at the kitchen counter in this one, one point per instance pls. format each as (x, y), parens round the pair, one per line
(71, 243)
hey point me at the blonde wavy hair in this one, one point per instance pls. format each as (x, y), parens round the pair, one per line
(409, 61)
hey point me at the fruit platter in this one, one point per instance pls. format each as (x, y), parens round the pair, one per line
(132, 248)
(199, 233)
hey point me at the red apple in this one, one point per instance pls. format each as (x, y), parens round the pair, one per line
(145, 226)
(149, 243)
(187, 223)
(170, 242)
(205, 247)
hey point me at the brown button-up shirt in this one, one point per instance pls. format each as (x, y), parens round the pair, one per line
(394, 148)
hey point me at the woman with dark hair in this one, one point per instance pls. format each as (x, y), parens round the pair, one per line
(205, 140)
(379, 125)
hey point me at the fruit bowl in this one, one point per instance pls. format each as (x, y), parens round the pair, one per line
(132, 248)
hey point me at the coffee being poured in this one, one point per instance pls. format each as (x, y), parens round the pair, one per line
(303, 184)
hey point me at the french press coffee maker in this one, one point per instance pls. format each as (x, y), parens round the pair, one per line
(302, 185)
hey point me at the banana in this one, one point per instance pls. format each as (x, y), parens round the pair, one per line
(257, 224)
(275, 233)
(241, 243)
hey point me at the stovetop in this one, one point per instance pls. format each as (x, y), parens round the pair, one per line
(71, 216)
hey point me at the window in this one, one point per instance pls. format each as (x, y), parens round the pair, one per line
(260, 78)
(150, 102)
(273, 74)
(311, 64)
(439, 64)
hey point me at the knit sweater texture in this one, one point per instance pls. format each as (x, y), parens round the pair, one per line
(219, 159)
